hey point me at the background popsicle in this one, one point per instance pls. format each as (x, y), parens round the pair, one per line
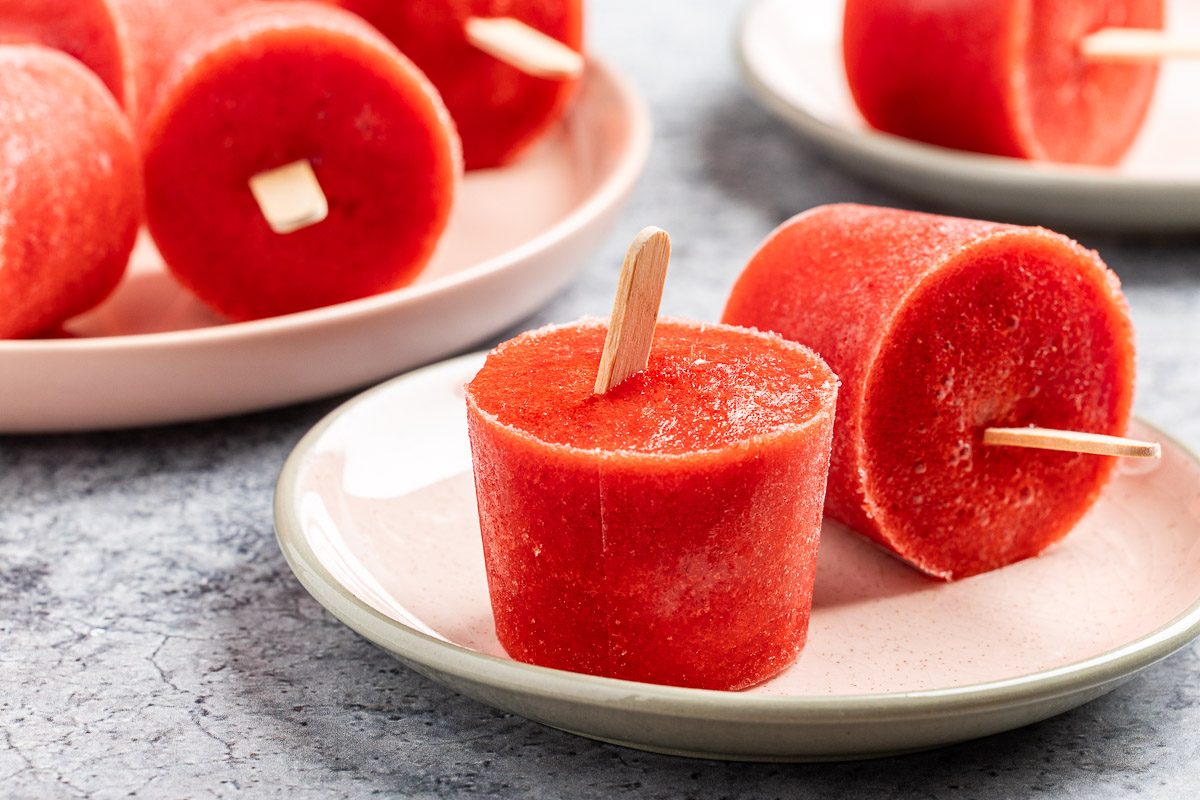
(273, 85)
(940, 328)
(70, 190)
(499, 109)
(1004, 77)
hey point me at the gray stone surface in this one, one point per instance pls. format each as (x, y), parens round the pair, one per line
(154, 643)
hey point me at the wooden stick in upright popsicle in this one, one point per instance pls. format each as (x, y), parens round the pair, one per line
(523, 47)
(290, 197)
(1072, 441)
(635, 310)
(1138, 45)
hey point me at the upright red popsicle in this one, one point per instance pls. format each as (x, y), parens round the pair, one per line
(939, 328)
(499, 110)
(290, 83)
(128, 43)
(665, 531)
(1006, 77)
(70, 190)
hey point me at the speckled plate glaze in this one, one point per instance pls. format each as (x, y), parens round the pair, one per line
(153, 354)
(790, 54)
(375, 512)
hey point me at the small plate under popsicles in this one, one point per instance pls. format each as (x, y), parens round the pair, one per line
(375, 513)
(791, 58)
(153, 354)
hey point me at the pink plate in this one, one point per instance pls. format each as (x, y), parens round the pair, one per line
(375, 511)
(153, 354)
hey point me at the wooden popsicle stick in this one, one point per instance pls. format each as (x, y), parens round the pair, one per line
(1072, 441)
(290, 197)
(1138, 44)
(523, 47)
(635, 310)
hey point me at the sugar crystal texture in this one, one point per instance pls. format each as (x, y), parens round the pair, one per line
(1006, 77)
(667, 530)
(70, 190)
(939, 328)
(278, 83)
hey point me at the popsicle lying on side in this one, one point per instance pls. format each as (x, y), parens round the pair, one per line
(1005, 77)
(500, 109)
(941, 329)
(70, 190)
(317, 93)
(128, 43)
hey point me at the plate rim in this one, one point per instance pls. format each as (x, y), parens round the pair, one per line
(966, 167)
(448, 658)
(625, 173)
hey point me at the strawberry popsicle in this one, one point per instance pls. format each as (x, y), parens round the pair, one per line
(1005, 77)
(499, 109)
(940, 328)
(665, 531)
(284, 84)
(128, 43)
(70, 190)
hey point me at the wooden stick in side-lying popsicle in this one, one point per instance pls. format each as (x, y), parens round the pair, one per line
(523, 47)
(1139, 45)
(1072, 441)
(635, 310)
(290, 197)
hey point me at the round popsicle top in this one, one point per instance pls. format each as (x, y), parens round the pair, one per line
(707, 387)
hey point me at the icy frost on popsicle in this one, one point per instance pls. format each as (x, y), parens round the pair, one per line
(939, 329)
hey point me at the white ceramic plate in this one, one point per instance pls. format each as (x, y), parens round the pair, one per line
(375, 512)
(153, 354)
(790, 54)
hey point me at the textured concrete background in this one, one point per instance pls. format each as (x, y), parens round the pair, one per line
(153, 642)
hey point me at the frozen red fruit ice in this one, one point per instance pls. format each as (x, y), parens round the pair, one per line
(939, 328)
(128, 43)
(499, 110)
(1006, 77)
(665, 531)
(281, 83)
(70, 190)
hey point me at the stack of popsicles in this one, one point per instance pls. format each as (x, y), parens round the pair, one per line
(291, 155)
